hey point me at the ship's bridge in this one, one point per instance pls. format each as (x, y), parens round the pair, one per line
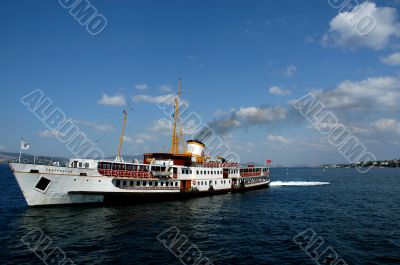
(82, 163)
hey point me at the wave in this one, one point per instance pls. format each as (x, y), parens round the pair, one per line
(297, 183)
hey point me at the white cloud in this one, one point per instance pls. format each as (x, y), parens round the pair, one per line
(95, 125)
(278, 139)
(261, 115)
(165, 88)
(141, 86)
(138, 138)
(164, 99)
(220, 113)
(127, 139)
(275, 90)
(117, 100)
(246, 117)
(164, 126)
(290, 70)
(387, 125)
(392, 59)
(371, 94)
(309, 39)
(347, 28)
(50, 134)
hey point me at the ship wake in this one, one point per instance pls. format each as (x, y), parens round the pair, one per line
(297, 183)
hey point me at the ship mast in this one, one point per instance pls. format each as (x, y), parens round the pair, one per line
(119, 158)
(175, 137)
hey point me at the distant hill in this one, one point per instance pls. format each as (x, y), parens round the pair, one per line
(379, 163)
(5, 157)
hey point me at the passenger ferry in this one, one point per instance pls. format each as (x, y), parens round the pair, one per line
(160, 176)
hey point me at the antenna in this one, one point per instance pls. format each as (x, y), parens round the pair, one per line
(118, 158)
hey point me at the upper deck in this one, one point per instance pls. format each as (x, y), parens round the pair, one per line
(168, 170)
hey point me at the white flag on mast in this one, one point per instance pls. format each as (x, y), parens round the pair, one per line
(24, 145)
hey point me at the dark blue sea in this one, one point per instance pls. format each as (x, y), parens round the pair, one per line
(354, 217)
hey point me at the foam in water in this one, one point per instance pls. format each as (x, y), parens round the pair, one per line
(297, 183)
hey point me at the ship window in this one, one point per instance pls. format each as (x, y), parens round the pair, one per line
(190, 172)
(80, 164)
(137, 183)
(42, 184)
(197, 172)
(162, 183)
(144, 183)
(131, 183)
(156, 183)
(176, 184)
(150, 183)
(124, 183)
(212, 173)
(118, 182)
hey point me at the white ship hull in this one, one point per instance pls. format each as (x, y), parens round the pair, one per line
(51, 185)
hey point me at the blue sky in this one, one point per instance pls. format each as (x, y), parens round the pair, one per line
(241, 62)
